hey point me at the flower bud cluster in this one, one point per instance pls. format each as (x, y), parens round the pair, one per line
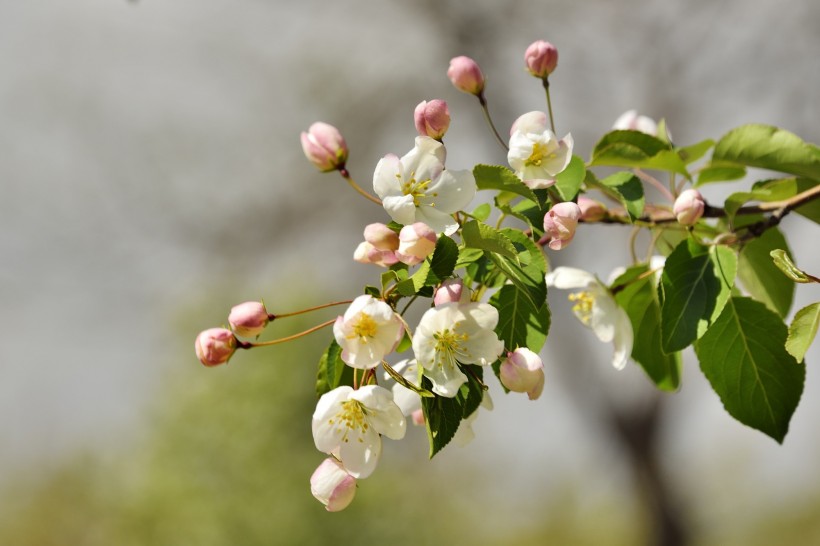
(216, 346)
(384, 247)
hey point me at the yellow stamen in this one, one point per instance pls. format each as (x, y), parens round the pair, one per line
(583, 306)
(415, 188)
(540, 153)
(449, 346)
(364, 327)
(351, 417)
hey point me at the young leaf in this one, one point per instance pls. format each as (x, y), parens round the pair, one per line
(333, 372)
(786, 265)
(690, 154)
(802, 331)
(443, 261)
(442, 416)
(770, 148)
(743, 357)
(528, 270)
(718, 171)
(569, 181)
(482, 212)
(496, 177)
(520, 323)
(480, 235)
(760, 277)
(626, 187)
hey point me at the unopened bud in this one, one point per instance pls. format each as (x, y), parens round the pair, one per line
(324, 147)
(591, 210)
(215, 346)
(332, 485)
(248, 319)
(451, 291)
(416, 242)
(689, 207)
(541, 58)
(366, 253)
(381, 236)
(466, 75)
(560, 223)
(523, 371)
(418, 417)
(432, 118)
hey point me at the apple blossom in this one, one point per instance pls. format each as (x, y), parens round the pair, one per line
(536, 155)
(541, 58)
(366, 253)
(453, 334)
(215, 346)
(630, 120)
(591, 210)
(466, 75)
(368, 331)
(451, 291)
(406, 399)
(432, 118)
(560, 223)
(332, 485)
(416, 242)
(348, 423)
(249, 319)
(523, 371)
(324, 146)
(689, 207)
(417, 188)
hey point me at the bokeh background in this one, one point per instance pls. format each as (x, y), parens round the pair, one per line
(152, 177)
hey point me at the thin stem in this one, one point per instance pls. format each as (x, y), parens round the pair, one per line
(487, 117)
(633, 237)
(500, 220)
(346, 175)
(409, 303)
(656, 183)
(308, 310)
(407, 329)
(250, 345)
(549, 104)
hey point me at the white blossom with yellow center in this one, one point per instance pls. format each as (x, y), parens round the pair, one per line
(368, 331)
(596, 309)
(349, 423)
(536, 155)
(417, 187)
(455, 334)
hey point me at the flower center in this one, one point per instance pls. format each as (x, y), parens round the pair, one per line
(364, 327)
(415, 188)
(449, 345)
(351, 417)
(540, 152)
(583, 305)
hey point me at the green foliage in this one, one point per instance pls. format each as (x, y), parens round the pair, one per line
(496, 177)
(520, 323)
(626, 188)
(802, 331)
(569, 181)
(626, 148)
(744, 358)
(444, 415)
(784, 188)
(770, 148)
(528, 270)
(785, 264)
(333, 372)
(481, 236)
(760, 277)
(433, 271)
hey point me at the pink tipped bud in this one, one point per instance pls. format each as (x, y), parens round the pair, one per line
(451, 291)
(523, 371)
(560, 223)
(416, 242)
(591, 210)
(466, 75)
(324, 147)
(418, 417)
(630, 120)
(432, 118)
(689, 207)
(381, 236)
(332, 485)
(541, 58)
(366, 253)
(249, 319)
(215, 346)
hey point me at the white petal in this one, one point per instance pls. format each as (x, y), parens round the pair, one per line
(604, 320)
(484, 314)
(452, 191)
(446, 379)
(326, 436)
(382, 412)
(439, 221)
(400, 208)
(425, 161)
(623, 340)
(360, 455)
(385, 181)
(566, 278)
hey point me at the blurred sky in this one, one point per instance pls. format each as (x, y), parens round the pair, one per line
(150, 160)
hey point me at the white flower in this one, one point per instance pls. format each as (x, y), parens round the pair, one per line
(536, 155)
(596, 309)
(368, 331)
(453, 334)
(417, 188)
(465, 434)
(407, 400)
(348, 424)
(630, 120)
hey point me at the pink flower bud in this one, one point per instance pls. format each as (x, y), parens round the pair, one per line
(451, 291)
(381, 236)
(215, 346)
(416, 242)
(560, 223)
(541, 58)
(432, 118)
(689, 207)
(466, 75)
(418, 417)
(523, 371)
(324, 147)
(332, 485)
(591, 210)
(248, 319)
(366, 253)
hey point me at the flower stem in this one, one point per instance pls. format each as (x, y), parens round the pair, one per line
(250, 345)
(655, 182)
(346, 175)
(308, 310)
(546, 83)
(487, 117)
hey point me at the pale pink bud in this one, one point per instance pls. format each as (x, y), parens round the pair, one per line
(451, 291)
(215, 346)
(432, 118)
(560, 223)
(381, 236)
(523, 371)
(249, 319)
(418, 417)
(466, 75)
(366, 253)
(324, 147)
(332, 485)
(541, 58)
(689, 207)
(630, 120)
(591, 210)
(416, 242)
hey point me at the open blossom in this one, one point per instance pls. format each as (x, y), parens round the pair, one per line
(466, 75)
(417, 187)
(596, 309)
(368, 331)
(432, 118)
(406, 399)
(689, 207)
(215, 346)
(249, 319)
(416, 242)
(632, 121)
(332, 485)
(536, 155)
(560, 223)
(349, 423)
(453, 334)
(324, 147)
(523, 371)
(541, 58)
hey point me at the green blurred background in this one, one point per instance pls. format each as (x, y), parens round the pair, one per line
(152, 177)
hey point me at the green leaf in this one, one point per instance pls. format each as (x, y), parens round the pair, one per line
(690, 154)
(528, 212)
(786, 265)
(482, 212)
(467, 256)
(625, 187)
(768, 147)
(496, 177)
(784, 188)
(744, 358)
(760, 277)
(802, 331)
(639, 298)
(569, 181)
(333, 372)
(480, 235)
(695, 284)
(528, 270)
(636, 150)
(442, 416)
(718, 171)
(520, 323)
(433, 271)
